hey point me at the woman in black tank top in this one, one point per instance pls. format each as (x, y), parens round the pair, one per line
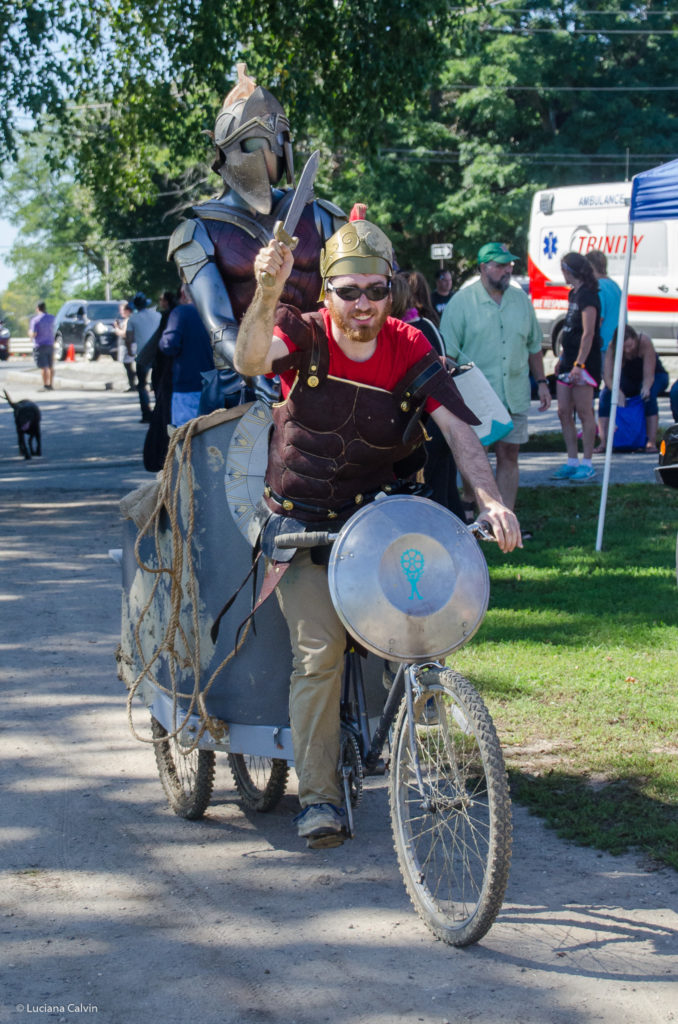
(578, 369)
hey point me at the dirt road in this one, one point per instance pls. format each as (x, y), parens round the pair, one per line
(113, 907)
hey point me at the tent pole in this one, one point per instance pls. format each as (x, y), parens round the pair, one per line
(619, 351)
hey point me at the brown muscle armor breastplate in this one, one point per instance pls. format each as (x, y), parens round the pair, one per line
(336, 441)
(235, 249)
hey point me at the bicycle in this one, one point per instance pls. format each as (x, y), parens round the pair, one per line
(449, 802)
(448, 791)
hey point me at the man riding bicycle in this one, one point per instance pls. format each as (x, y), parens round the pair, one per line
(355, 383)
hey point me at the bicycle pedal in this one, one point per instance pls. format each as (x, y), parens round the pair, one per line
(379, 768)
(328, 841)
(348, 828)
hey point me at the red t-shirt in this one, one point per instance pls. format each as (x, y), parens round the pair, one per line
(399, 347)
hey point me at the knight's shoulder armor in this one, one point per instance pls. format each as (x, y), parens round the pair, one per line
(329, 218)
(333, 209)
(226, 213)
(191, 247)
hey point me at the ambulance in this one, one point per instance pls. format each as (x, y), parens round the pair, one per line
(579, 218)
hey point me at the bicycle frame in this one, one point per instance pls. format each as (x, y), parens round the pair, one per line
(354, 717)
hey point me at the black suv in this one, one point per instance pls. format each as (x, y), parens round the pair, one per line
(88, 327)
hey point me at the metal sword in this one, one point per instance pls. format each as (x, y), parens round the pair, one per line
(284, 230)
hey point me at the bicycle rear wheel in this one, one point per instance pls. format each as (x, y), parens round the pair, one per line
(454, 844)
(188, 780)
(260, 781)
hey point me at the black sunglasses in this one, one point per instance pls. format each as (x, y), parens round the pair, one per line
(351, 292)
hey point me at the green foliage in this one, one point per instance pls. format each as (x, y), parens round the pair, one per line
(57, 240)
(33, 77)
(576, 659)
(511, 93)
(443, 120)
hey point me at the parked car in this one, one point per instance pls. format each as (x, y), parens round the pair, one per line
(4, 341)
(88, 327)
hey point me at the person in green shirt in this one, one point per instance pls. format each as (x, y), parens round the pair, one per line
(494, 326)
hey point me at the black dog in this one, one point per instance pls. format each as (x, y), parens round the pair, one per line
(27, 422)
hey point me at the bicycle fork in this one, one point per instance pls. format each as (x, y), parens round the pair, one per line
(413, 687)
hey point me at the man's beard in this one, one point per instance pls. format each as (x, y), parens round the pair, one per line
(357, 334)
(499, 284)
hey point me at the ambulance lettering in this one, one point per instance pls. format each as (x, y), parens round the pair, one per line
(584, 241)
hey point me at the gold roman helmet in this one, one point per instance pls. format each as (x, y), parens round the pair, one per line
(358, 247)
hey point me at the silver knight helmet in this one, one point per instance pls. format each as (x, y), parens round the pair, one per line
(252, 136)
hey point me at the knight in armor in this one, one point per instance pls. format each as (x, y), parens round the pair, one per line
(355, 383)
(215, 250)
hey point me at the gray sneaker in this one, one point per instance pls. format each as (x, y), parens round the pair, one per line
(321, 825)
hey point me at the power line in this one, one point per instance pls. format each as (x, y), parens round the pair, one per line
(596, 159)
(545, 12)
(151, 238)
(522, 29)
(566, 88)
(546, 153)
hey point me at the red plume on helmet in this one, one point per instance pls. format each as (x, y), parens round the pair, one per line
(358, 212)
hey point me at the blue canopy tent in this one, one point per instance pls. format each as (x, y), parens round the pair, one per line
(654, 196)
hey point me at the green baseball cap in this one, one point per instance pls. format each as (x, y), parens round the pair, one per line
(496, 251)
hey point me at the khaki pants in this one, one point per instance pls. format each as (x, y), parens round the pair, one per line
(318, 643)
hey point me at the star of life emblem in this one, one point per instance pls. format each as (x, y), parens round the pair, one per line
(550, 245)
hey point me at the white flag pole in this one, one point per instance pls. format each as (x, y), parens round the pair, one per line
(619, 351)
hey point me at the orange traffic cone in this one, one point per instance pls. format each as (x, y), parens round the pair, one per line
(70, 354)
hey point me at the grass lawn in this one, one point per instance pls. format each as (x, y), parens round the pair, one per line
(577, 660)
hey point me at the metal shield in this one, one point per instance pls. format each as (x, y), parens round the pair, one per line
(408, 579)
(246, 468)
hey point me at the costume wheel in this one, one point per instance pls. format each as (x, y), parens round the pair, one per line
(260, 781)
(351, 761)
(188, 780)
(59, 353)
(453, 846)
(90, 350)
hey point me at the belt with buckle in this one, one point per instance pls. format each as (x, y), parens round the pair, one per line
(290, 505)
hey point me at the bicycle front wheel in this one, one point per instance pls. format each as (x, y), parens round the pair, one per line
(453, 841)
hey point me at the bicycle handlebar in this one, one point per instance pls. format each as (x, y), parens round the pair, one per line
(482, 530)
(315, 539)
(321, 538)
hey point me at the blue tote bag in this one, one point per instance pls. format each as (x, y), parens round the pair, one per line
(630, 431)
